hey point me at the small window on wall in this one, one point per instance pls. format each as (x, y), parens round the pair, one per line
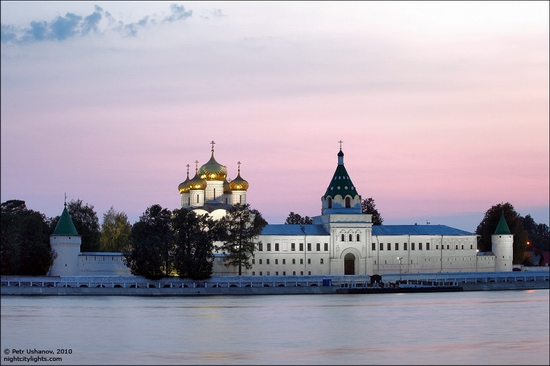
(412, 246)
(348, 202)
(329, 202)
(267, 261)
(343, 237)
(253, 261)
(404, 246)
(419, 246)
(269, 247)
(396, 246)
(284, 261)
(276, 261)
(381, 246)
(293, 247)
(358, 237)
(294, 273)
(326, 247)
(373, 246)
(318, 247)
(350, 237)
(321, 261)
(427, 246)
(301, 260)
(293, 261)
(309, 261)
(301, 247)
(259, 261)
(260, 247)
(276, 247)
(389, 246)
(309, 247)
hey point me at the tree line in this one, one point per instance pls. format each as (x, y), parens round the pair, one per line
(164, 243)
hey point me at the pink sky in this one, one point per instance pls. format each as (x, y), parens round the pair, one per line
(442, 106)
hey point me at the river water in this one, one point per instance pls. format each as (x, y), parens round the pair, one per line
(485, 327)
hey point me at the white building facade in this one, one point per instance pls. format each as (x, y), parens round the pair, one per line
(343, 240)
(340, 241)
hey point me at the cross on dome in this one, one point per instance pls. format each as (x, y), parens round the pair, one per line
(212, 143)
(340, 142)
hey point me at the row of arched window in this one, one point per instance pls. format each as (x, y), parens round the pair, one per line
(347, 202)
(350, 237)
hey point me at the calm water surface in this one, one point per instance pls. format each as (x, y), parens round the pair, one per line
(487, 327)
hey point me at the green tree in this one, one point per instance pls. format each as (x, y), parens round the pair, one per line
(539, 235)
(151, 253)
(488, 225)
(369, 207)
(294, 218)
(25, 245)
(115, 231)
(241, 227)
(194, 237)
(86, 222)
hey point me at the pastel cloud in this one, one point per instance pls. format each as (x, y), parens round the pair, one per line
(72, 25)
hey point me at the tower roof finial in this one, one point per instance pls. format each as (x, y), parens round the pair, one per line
(340, 142)
(196, 166)
(212, 143)
(65, 204)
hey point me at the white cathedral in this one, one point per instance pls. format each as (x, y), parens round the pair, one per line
(341, 241)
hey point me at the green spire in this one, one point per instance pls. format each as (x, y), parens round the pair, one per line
(502, 227)
(341, 182)
(65, 225)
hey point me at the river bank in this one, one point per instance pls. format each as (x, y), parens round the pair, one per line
(211, 291)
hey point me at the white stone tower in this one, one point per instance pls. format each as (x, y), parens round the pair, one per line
(65, 242)
(503, 246)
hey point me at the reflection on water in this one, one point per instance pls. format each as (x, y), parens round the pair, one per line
(494, 327)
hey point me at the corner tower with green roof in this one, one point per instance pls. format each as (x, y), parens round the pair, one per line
(65, 242)
(503, 246)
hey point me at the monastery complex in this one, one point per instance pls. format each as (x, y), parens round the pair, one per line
(340, 241)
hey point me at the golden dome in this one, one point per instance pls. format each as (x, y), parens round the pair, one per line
(226, 188)
(184, 186)
(238, 184)
(213, 170)
(197, 182)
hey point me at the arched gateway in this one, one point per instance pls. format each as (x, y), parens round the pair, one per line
(349, 264)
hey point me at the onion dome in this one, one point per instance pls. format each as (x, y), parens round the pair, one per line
(213, 170)
(238, 184)
(197, 182)
(184, 186)
(226, 188)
